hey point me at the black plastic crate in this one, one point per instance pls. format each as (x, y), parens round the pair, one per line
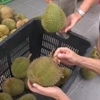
(32, 38)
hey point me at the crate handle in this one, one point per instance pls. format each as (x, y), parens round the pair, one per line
(65, 36)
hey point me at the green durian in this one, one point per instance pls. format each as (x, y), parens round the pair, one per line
(25, 82)
(5, 96)
(44, 71)
(66, 72)
(13, 86)
(53, 19)
(6, 12)
(13, 31)
(19, 16)
(4, 30)
(3, 37)
(19, 67)
(88, 74)
(10, 23)
(28, 97)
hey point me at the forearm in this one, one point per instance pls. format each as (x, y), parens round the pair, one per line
(89, 63)
(62, 96)
(86, 5)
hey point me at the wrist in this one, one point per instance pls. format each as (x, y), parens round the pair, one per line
(79, 60)
(62, 96)
(78, 15)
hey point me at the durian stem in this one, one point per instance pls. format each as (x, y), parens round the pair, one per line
(29, 56)
(51, 53)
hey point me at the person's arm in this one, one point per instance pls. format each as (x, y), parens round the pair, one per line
(89, 63)
(62, 96)
(85, 7)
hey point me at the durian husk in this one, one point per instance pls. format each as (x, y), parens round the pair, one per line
(25, 20)
(19, 23)
(5, 96)
(28, 97)
(6, 12)
(3, 37)
(44, 71)
(12, 31)
(87, 73)
(10, 23)
(4, 30)
(13, 86)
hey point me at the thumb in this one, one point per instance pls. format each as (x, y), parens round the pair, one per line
(68, 28)
(38, 86)
(62, 56)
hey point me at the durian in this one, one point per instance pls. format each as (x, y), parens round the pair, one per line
(19, 23)
(6, 12)
(86, 73)
(19, 16)
(13, 86)
(10, 23)
(28, 97)
(5, 96)
(13, 31)
(44, 71)
(53, 19)
(25, 82)
(25, 20)
(67, 73)
(4, 30)
(3, 37)
(38, 16)
(19, 67)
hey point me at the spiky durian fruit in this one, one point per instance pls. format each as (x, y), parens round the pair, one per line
(19, 16)
(28, 97)
(53, 19)
(5, 96)
(19, 67)
(6, 12)
(3, 37)
(4, 30)
(66, 72)
(13, 31)
(25, 82)
(13, 86)
(25, 20)
(19, 23)
(44, 71)
(86, 73)
(10, 23)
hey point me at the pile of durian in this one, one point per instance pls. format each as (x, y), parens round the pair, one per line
(43, 70)
(9, 21)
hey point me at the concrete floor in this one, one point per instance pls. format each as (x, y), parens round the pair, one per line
(87, 26)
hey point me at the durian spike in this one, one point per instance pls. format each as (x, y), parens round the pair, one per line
(29, 56)
(54, 57)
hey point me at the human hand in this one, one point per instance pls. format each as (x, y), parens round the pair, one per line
(53, 92)
(66, 56)
(49, 1)
(71, 21)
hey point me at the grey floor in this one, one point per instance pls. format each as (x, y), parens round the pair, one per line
(87, 26)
